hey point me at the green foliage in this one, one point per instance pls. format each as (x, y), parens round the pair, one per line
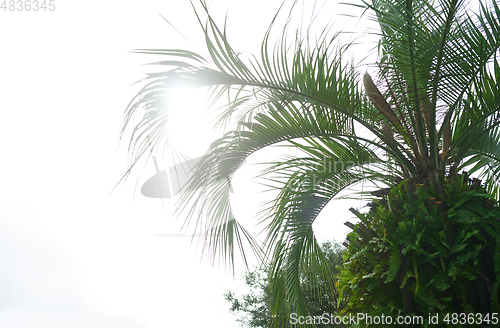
(254, 307)
(433, 252)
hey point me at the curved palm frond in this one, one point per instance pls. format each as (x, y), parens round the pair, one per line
(307, 185)
(476, 132)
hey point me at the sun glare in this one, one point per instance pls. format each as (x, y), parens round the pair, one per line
(189, 126)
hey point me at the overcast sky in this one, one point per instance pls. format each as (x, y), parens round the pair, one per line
(71, 253)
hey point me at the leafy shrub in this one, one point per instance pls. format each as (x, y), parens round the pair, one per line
(424, 251)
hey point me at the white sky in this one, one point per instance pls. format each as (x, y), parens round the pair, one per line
(72, 255)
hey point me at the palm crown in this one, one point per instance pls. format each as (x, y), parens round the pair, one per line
(434, 112)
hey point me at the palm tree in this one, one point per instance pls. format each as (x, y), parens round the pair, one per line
(434, 111)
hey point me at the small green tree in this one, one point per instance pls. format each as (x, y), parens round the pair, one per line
(254, 307)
